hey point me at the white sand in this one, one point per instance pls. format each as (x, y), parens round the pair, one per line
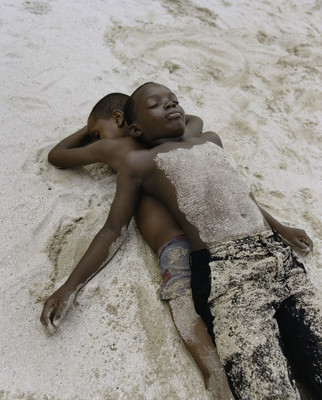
(251, 70)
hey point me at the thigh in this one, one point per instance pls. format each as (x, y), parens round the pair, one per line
(300, 323)
(249, 345)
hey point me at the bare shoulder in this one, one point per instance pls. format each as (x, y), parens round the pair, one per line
(107, 144)
(211, 136)
(137, 162)
(115, 149)
(105, 150)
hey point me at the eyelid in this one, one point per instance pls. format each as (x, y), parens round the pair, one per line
(173, 100)
(153, 105)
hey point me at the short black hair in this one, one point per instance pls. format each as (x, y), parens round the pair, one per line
(105, 107)
(129, 105)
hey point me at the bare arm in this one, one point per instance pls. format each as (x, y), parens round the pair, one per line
(294, 236)
(101, 250)
(79, 149)
(56, 155)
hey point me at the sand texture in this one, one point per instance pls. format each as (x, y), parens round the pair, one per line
(251, 70)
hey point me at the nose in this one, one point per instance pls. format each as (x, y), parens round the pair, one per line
(169, 103)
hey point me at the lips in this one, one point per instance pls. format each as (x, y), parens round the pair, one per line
(174, 115)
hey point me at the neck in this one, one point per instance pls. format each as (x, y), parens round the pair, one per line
(158, 142)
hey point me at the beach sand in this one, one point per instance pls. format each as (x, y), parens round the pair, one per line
(251, 70)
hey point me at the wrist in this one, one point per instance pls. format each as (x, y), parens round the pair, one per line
(71, 286)
(282, 229)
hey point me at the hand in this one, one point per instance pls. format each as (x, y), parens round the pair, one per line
(298, 238)
(56, 307)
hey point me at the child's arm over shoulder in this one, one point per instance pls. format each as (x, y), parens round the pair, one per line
(78, 139)
(78, 149)
(101, 250)
(194, 125)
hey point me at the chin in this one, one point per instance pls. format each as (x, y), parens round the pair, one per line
(178, 135)
(178, 132)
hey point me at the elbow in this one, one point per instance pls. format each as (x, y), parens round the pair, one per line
(51, 157)
(54, 159)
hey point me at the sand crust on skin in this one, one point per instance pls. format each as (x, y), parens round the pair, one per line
(251, 70)
(211, 194)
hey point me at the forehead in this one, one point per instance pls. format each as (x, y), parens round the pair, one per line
(153, 90)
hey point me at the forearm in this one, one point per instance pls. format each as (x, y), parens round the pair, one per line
(78, 139)
(101, 250)
(272, 222)
(293, 236)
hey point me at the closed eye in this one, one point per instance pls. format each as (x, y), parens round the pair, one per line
(153, 105)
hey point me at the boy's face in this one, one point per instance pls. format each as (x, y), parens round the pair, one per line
(106, 128)
(157, 114)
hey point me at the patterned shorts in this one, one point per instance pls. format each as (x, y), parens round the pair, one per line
(175, 268)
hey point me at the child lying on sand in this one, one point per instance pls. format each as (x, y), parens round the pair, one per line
(256, 289)
(165, 237)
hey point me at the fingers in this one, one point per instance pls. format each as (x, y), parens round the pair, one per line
(55, 309)
(58, 316)
(62, 310)
(51, 328)
(299, 239)
(304, 242)
(47, 315)
(308, 241)
(52, 316)
(303, 245)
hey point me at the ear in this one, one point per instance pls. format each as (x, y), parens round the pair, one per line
(118, 117)
(135, 131)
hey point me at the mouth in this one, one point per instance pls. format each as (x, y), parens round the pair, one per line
(174, 115)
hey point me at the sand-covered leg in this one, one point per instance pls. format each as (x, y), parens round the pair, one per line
(249, 345)
(300, 323)
(249, 282)
(193, 332)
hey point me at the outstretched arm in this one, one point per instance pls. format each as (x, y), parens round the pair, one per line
(100, 251)
(294, 236)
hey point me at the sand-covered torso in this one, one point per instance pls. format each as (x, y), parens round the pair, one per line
(210, 193)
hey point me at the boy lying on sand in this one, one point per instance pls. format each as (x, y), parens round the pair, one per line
(160, 230)
(255, 287)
